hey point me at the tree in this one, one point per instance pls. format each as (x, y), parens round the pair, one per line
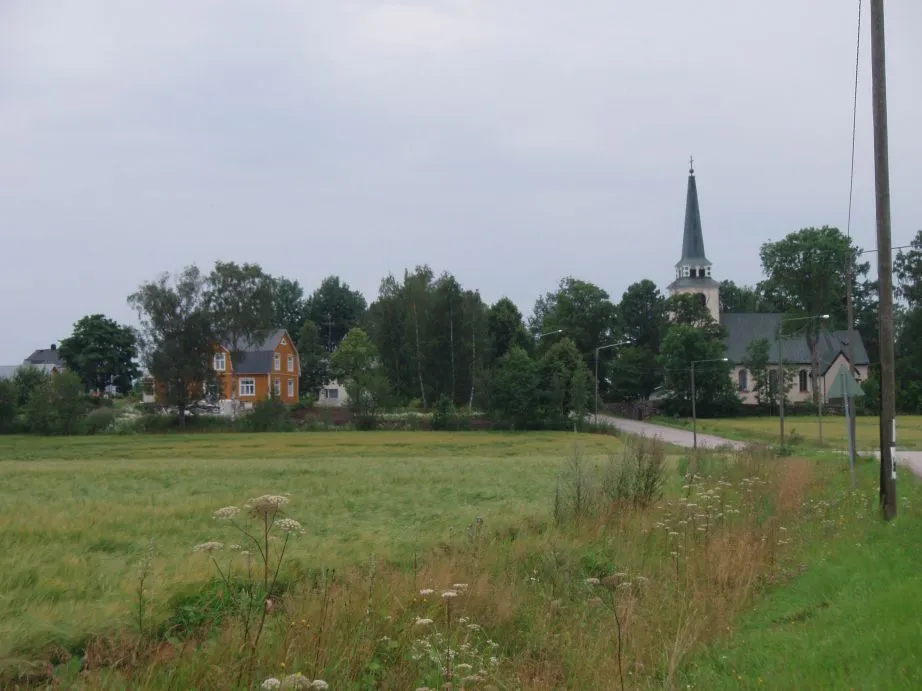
(289, 306)
(314, 359)
(642, 313)
(9, 405)
(335, 308)
(560, 367)
(58, 406)
(634, 374)
(240, 301)
(515, 394)
(355, 364)
(807, 276)
(506, 329)
(757, 363)
(585, 315)
(734, 298)
(715, 394)
(907, 265)
(101, 352)
(177, 339)
(687, 309)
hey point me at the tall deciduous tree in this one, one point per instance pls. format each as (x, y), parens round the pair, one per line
(315, 371)
(715, 393)
(584, 314)
(634, 373)
(240, 300)
(356, 364)
(177, 338)
(806, 274)
(335, 308)
(506, 329)
(734, 298)
(289, 305)
(642, 313)
(101, 352)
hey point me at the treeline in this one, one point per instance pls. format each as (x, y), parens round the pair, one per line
(428, 342)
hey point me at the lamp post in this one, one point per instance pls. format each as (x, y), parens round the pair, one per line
(781, 385)
(694, 409)
(548, 333)
(601, 347)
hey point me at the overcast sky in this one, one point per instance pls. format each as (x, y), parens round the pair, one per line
(511, 142)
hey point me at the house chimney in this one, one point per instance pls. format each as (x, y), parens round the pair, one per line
(54, 347)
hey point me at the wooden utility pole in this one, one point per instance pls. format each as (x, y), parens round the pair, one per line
(884, 264)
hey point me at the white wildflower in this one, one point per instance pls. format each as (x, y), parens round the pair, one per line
(208, 547)
(459, 586)
(266, 504)
(289, 525)
(494, 661)
(423, 622)
(592, 581)
(320, 684)
(226, 513)
(464, 667)
(235, 548)
(449, 594)
(296, 681)
(425, 592)
(271, 683)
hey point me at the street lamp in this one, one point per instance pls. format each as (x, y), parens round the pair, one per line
(602, 347)
(548, 333)
(694, 409)
(781, 385)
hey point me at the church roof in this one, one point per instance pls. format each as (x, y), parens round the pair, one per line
(693, 238)
(689, 282)
(745, 327)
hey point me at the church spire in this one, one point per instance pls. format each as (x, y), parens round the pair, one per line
(693, 238)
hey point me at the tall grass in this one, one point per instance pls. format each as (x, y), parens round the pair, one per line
(619, 594)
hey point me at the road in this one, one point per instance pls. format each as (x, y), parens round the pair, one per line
(670, 435)
(681, 437)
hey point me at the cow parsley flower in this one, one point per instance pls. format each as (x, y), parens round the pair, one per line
(208, 547)
(289, 525)
(226, 513)
(271, 683)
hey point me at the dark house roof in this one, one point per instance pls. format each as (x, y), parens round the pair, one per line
(693, 237)
(46, 356)
(744, 328)
(256, 358)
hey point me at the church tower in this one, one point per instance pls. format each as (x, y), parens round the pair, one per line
(693, 270)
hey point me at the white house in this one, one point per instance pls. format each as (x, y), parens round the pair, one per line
(693, 276)
(333, 394)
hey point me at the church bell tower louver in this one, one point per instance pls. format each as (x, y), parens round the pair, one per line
(693, 270)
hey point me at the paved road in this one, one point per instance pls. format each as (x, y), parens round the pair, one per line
(680, 437)
(670, 435)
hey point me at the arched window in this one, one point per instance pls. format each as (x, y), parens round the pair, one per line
(743, 380)
(703, 299)
(803, 381)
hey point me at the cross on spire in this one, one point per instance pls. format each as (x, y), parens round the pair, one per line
(691, 165)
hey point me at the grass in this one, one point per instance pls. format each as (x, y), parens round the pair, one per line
(76, 513)
(759, 572)
(835, 435)
(852, 619)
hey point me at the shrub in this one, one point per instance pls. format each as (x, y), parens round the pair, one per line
(9, 405)
(99, 420)
(638, 475)
(445, 415)
(57, 406)
(271, 415)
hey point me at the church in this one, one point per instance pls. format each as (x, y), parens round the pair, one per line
(693, 275)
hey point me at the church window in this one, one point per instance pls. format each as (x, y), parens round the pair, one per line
(803, 381)
(685, 271)
(707, 272)
(743, 380)
(703, 299)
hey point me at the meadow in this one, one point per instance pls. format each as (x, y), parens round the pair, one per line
(805, 430)
(751, 571)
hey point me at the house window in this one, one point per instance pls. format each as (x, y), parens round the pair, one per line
(276, 362)
(220, 362)
(744, 380)
(333, 394)
(276, 387)
(291, 388)
(247, 386)
(803, 381)
(291, 363)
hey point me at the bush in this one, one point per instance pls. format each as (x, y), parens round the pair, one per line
(9, 405)
(271, 415)
(99, 420)
(57, 406)
(445, 415)
(637, 476)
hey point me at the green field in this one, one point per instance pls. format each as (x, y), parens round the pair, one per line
(807, 430)
(76, 513)
(795, 584)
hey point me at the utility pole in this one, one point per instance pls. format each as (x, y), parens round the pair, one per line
(850, 325)
(884, 264)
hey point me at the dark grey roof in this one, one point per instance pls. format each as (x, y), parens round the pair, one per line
(744, 328)
(45, 356)
(693, 238)
(257, 358)
(689, 282)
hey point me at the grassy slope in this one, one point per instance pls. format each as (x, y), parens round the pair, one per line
(909, 430)
(852, 620)
(76, 513)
